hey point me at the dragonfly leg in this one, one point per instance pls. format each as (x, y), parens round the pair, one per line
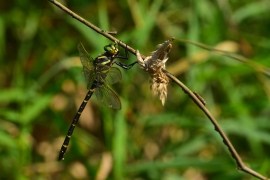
(126, 54)
(122, 65)
(126, 66)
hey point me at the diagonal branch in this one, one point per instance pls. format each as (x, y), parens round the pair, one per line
(92, 26)
(241, 59)
(240, 165)
(193, 96)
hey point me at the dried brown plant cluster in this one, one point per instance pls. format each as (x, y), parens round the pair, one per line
(154, 64)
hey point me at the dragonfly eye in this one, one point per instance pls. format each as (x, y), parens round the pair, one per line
(111, 48)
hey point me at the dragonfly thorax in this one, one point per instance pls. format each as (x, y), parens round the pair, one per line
(103, 60)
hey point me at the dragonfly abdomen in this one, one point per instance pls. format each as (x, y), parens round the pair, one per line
(75, 120)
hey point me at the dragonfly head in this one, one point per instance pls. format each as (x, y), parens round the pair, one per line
(111, 49)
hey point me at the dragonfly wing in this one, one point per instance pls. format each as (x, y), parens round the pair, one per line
(108, 97)
(88, 65)
(89, 76)
(86, 59)
(113, 76)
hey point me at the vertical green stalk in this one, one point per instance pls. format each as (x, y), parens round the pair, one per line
(119, 144)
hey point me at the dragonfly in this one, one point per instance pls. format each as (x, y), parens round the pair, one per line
(98, 74)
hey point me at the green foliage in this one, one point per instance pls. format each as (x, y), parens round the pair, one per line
(42, 86)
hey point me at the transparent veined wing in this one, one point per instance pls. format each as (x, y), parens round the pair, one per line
(86, 60)
(113, 76)
(88, 65)
(89, 76)
(108, 97)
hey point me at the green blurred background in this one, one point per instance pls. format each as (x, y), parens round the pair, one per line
(42, 86)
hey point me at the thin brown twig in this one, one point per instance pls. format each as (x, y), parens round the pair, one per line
(197, 101)
(95, 28)
(226, 141)
(241, 59)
